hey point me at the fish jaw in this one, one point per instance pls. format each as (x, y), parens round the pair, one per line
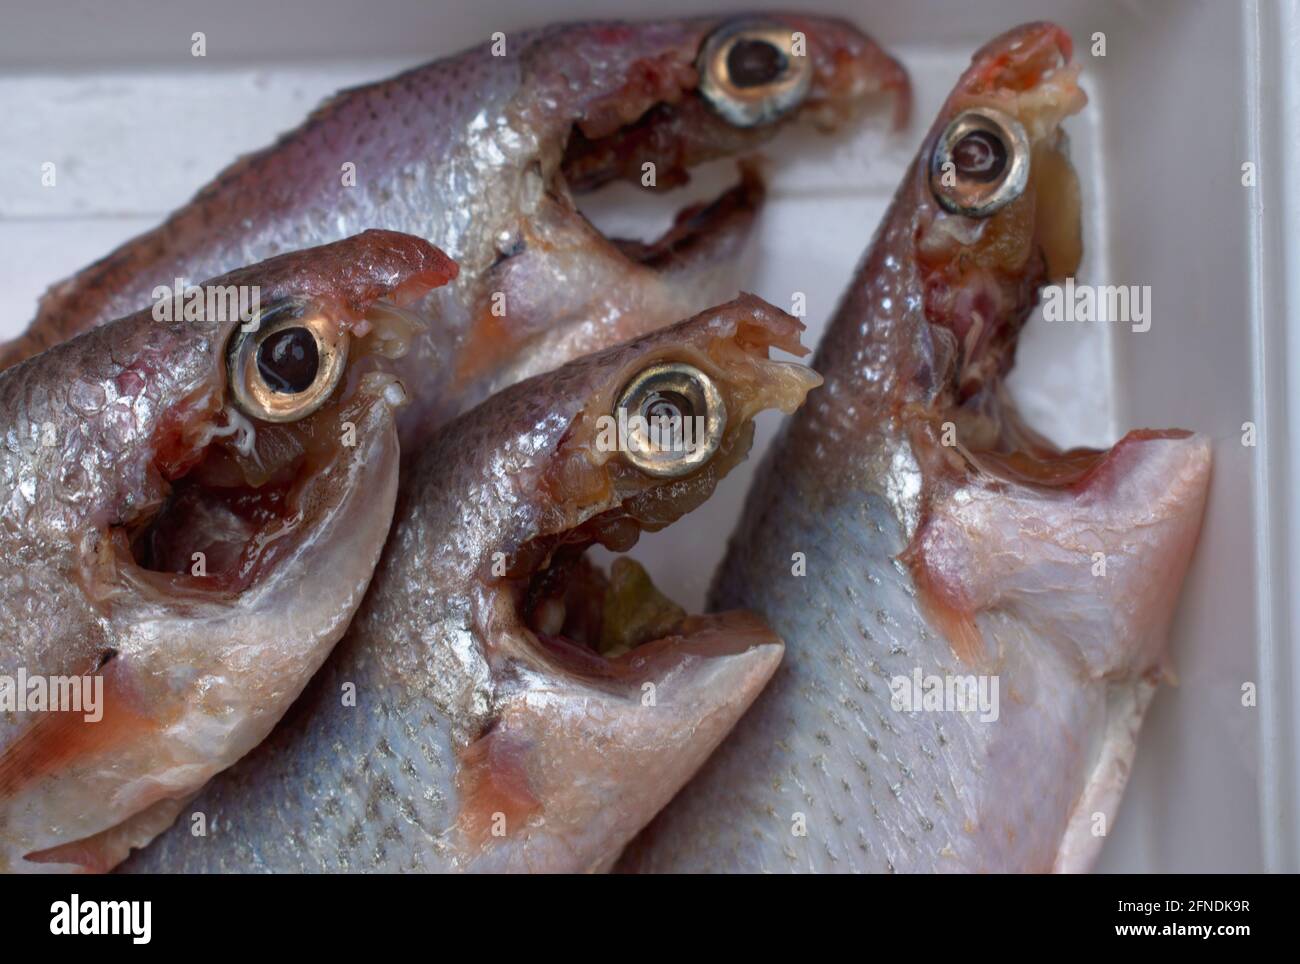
(1020, 59)
(1089, 567)
(196, 664)
(1094, 565)
(611, 292)
(582, 765)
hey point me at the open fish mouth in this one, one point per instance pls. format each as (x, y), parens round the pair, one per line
(727, 89)
(705, 397)
(658, 150)
(234, 495)
(603, 623)
(700, 231)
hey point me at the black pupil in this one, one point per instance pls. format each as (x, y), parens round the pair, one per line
(667, 405)
(980, 156)
(671, 408)
(752, 63)
(288, 360)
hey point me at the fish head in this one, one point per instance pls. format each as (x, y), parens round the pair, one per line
(593, 697)
(639, 106)
(201, 503)
(998, 210)
(681, 93)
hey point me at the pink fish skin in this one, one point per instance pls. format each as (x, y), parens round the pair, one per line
(996, 558)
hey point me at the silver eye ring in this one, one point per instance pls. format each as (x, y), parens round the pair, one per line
(672, 417)
(749, 72)
(980, 163)
(288, 365)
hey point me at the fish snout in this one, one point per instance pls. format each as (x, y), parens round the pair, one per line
(1021, 58)
(574, 767)
(850, 71)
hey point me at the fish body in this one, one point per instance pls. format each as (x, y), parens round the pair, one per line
(975, 621)
(190, 564)
(499, 704)
(482, 154)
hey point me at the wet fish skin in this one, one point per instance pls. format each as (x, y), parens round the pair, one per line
(469, 153)
(460, 712)
(96, 433)
(977, 560)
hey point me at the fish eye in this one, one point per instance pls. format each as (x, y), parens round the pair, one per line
(288, 366)
(749, 73)
(980, 163)
(673, 418)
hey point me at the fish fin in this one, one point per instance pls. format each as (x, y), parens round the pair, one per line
(1126, 704)
(494, 790)
(946, 606)
(57, 739)
(961, 631)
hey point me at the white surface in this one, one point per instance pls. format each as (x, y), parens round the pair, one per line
(1187, 92)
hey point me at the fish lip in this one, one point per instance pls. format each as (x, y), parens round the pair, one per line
(701, 637)
(715, 229)
(588, 763)
(1020, 58)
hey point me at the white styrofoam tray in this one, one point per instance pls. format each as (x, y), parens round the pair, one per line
(1186, 94)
